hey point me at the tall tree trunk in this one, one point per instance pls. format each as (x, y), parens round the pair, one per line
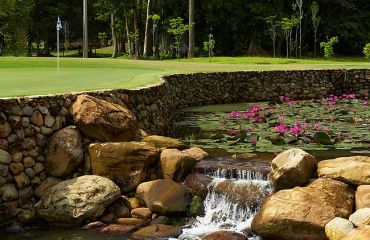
(137, 32)
(85, 31)
(127, 30)
(191, 30)
(146, 39)
(114, 36)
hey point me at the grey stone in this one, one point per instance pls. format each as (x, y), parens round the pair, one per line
(4, 169)
(43, 110)
(25, 122)
(27, 111)
(30, 172)
(12, 138)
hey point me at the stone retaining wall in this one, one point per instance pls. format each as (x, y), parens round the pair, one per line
(26, 124)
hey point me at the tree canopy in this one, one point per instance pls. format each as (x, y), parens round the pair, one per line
(239, 27)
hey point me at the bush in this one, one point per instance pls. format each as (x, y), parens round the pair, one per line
(328, 47)
(367, 51)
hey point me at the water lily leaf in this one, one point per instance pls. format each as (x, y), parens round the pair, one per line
(288, 138)
(322, 138)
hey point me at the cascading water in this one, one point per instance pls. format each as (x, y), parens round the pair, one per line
(232, 201)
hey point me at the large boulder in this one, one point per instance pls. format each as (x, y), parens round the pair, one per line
(197, 153)
(164, 142)
(125, 163)
(352, 170)
(64, 152)
(175, 164)
(229, 235)
(363, 197)
(164, 196)
(361, 233)
(70, 202)
(157, 231)
(198, 183)
(302, 213)
(338, 228)
(242, 192)
(103, 121)
(291, 168)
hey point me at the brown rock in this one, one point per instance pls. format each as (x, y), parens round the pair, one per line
(65, 152)
(37, 119)
(118, 229)
(126, 163)
(27, 217)
(132, 222)
(28, 162)
(102, 120)
(50, 181)
(15, 121)
(165, 142)
(141, 213)
(22, 180)
(302, 213)
(175, 164)
(16, 168)
(122, 212)
(291, 168)
(157, 231)
(164, 196)
(352, 170)
(198, 184)
(108, 218)
(28, 143)
(49, 121)
(196, 153)
(95, 225)
(38, 167)
(229, 235)
(243, 192)
(5, 129)
(363, 197)
(132, 202)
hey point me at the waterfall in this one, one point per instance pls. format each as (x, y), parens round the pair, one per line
(223, 211)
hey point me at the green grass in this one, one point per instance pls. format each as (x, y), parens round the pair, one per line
(38, 76)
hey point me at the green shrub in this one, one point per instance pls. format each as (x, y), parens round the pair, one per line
(367, 51)
(328, 47)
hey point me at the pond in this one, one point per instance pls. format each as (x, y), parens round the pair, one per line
(329, 127)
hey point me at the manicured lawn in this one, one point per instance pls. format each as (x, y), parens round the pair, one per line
(38, 76)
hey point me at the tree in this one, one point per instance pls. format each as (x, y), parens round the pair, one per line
(209, 45)
(155, 18)
(85, 31)
(287, 24)
(274, 23)
(178, 28)
(315, 22)
(328, 47)
(146, 38)
(300, 10)
(366, 51)
(191, 30)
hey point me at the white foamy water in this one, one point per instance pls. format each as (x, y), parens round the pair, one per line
(220, 212)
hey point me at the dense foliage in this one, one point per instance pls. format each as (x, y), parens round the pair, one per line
(239, 27)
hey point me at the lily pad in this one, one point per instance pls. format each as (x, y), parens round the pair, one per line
(322, 138)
